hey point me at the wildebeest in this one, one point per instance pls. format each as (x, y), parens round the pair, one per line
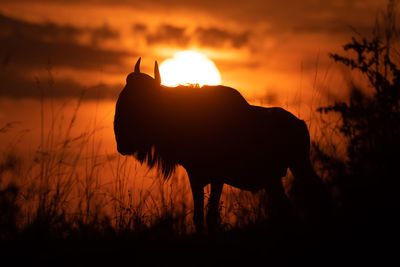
(216, 136)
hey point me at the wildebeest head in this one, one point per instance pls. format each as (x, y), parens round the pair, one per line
(135, 118)
(142, 82)
(132, 103)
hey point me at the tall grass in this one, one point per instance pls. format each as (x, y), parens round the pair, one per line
(71, 186)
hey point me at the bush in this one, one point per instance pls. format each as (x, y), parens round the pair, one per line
(370, 122)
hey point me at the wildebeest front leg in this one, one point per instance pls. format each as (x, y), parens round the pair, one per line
(213, 206)
(198, 201)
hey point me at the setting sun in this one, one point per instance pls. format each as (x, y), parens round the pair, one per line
(189, 67)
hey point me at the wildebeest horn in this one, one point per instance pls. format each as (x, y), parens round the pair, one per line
(137, 66)
(157, 76)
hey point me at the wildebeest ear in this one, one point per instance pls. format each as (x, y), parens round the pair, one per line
(137, 66)
(157, 76)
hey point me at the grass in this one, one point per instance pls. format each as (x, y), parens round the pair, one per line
(69, 187)
(70, 201)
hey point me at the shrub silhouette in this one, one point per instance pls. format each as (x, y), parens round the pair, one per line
(370, 123)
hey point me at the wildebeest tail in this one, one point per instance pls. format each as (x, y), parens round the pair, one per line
(306, 136)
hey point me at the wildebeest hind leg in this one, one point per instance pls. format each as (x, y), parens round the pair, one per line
(198, 203)
(278, 204)
(213, 216)
(309, 192)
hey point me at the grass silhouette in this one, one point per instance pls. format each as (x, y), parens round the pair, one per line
(60, 192)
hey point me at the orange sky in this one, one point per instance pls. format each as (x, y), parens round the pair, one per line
(268, 50)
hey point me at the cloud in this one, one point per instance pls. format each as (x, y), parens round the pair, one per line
(218, 37)
(31, 46)
(103, 33)
(274, 36)
(168, 34)
(139, 28)
(46, 32)
(32, 54)
(20, 85)
(284, 14)
(28, 48)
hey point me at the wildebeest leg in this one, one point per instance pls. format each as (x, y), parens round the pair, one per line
(198, 201)
(280, 208)
(310, 193)
(213, 206)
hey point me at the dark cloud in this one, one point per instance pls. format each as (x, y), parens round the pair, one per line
(139, 28)
(331, 26)
(168, 34)
(33, 54)
(180, 36)
(278, 32)
(10, 27)
(284, 15)
(102, 34)
(32, 46)
(27, 48)
(218, 37)
(18, 84)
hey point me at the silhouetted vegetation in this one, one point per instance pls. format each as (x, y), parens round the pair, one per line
(367, 178)
(370, 119)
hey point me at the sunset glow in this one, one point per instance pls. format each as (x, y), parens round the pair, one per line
(189, 67)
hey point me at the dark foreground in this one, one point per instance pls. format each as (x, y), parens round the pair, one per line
(261, 244)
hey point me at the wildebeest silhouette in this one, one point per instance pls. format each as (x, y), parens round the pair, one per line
(216, 136)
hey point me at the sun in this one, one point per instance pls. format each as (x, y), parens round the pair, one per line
(189, 67)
